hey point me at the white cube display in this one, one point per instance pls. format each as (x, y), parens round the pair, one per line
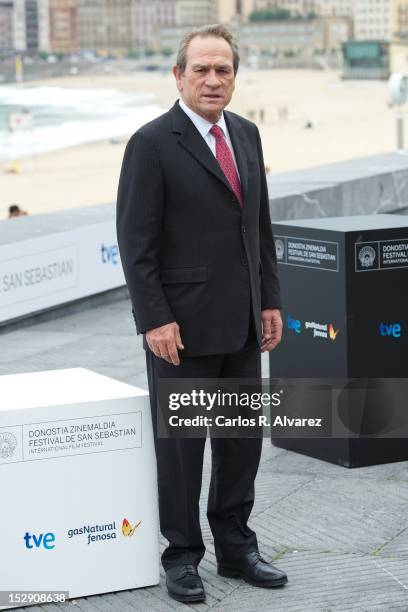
(78, 484)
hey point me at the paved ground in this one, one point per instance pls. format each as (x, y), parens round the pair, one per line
(341, 535)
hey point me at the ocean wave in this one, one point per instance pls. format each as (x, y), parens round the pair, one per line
(65, 117)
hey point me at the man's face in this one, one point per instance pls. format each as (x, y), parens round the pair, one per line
(208, 81)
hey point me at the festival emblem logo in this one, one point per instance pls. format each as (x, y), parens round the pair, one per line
(366, 257)
(280, 248)
(8, 444)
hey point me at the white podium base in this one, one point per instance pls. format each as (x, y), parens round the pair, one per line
(78, 484)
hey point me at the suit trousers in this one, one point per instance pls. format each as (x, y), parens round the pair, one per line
(235, 463)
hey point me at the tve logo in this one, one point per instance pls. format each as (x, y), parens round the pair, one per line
(110, 254)
(294, 324)
(392, 330)
(43, 540)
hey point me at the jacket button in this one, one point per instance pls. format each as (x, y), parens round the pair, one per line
(243, 229)
(244, 262)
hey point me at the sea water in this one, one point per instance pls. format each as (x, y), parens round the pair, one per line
(63, 117)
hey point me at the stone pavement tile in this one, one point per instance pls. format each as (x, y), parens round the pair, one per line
(93, 321)
(23, 343)
(101, 602)
(326, 583)
(336, 514)
(135, 359)
(269, 451)
(139, 380)
(152, 598)
(86, 352)
(125, 374)
(85, 604)
(290, 461)
(271, 488)
(21, 366)
(397, 547)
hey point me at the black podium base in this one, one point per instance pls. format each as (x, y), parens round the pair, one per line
(349, 452)
(345, 298)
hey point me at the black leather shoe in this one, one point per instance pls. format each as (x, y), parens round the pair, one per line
(254, 570)
(184, 584)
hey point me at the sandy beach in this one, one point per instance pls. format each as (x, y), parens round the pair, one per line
(348, 120)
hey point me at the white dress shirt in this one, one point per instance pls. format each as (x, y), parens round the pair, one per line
(204, 127)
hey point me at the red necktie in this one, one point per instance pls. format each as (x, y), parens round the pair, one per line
(226, 161)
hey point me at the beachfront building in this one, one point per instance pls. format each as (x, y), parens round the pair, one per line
(30, 26)
(261, 43)
(372, 20)
(399, 19)
(105, 26)
(336, 30)
(338, 8)
(296, 8)
(201, 12)
(43, 25)
(283, 38)
(231, 11)
(152, 18)
(63, 26)
(149, 15)
(193, 12)
(6, 25)
(19, 25)
(36, 25)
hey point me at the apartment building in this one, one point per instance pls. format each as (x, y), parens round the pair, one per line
(63, 26)
(372, 20)
(6, 25)
(399, 19)
(105, 26)
(147, 16)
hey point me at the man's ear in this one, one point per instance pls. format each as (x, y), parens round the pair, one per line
(177, 76)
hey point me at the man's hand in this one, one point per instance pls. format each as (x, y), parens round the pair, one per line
(271, 329)
(164, 342)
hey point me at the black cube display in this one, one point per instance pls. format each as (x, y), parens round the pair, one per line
(345, 310)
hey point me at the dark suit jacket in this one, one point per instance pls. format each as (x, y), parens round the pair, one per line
(189, 252)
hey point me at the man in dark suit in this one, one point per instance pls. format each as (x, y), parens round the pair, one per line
(198, 255)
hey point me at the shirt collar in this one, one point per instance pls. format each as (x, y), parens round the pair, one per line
(202, 125)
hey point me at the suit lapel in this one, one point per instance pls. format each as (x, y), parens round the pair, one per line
(194, 143)
(191, 139)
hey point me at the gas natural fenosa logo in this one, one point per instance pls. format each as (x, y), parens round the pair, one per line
(127, 528)
(322, 330)
(98, 532)
(332, 332)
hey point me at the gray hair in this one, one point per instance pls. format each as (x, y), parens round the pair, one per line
(219, 31)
